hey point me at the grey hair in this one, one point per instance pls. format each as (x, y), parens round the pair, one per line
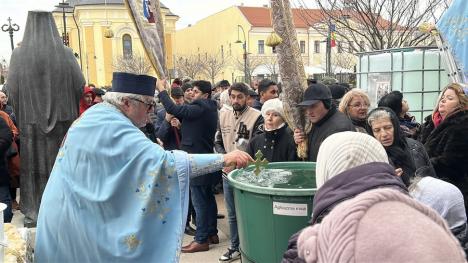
(116, 98)
(378, 114)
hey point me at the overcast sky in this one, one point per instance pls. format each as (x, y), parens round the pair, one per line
(189, 12)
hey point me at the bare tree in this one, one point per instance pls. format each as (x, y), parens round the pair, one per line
(190, 66)
(271, 64)
(252, 63)
(213, 64)
(135, 64)
(374, 24)
(343, 61)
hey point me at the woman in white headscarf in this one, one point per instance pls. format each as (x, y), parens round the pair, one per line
(348, 163)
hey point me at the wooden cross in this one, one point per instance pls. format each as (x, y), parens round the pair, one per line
(259, 162)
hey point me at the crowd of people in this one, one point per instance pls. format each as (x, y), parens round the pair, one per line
(355, 148)
(426, 161)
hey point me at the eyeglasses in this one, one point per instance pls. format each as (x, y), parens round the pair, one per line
(364, 106)
(150, 105)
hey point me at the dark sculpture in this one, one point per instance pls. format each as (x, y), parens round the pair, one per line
(44, 85)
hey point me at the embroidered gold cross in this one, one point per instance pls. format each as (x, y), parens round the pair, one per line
(132, 241)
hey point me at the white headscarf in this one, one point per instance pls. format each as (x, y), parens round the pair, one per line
(345, 150)
(443, 197)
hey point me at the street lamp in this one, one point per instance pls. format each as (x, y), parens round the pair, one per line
(244, 45)
(10, 29)
(64, 5)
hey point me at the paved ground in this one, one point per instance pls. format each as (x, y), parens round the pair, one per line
(210, 256)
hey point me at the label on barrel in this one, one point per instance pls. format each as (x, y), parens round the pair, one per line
(289, 209)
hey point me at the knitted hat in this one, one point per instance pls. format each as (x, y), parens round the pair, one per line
(381, 225)
(274, 105)
(345, 150)
(186, 86)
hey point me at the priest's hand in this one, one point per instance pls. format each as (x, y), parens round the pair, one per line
(237, 158)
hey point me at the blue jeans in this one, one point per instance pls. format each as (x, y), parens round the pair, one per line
(231, 209)
(5, 198)
(206, 210)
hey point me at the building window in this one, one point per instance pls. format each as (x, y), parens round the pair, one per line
(362, 46)
(273, 49)
(222, 51)
(302, 46)
(230, 50)
(316, 46)
(261, 47)
(340, 47)
(351, 47)
(127, 46)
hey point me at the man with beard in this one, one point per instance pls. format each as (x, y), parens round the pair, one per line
(236, 128)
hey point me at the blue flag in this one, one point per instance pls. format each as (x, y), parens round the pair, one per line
(453, 26)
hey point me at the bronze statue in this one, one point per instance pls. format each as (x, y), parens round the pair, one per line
(44, 84)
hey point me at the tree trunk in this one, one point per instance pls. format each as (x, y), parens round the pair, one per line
(291, 69)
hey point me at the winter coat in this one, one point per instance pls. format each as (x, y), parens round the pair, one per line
(6, 138)
(198, 128)
(257, 105)
(331, 123)
(276, 146)
(447, 147)
(170, 136)
(344, 186)
(422, 164)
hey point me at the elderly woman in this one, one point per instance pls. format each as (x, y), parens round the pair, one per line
(374, 227)
(348, 164)
(444, 135)
(355, 104)
(277, 142)
(407, 155)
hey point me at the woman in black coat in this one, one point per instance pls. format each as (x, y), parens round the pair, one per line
(277, 142)
(445, 137)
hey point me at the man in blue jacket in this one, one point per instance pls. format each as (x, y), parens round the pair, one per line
(198, 128)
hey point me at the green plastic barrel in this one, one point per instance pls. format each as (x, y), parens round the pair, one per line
(268, 216)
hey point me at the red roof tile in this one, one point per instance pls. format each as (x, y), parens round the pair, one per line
(260, 16)
(302, 18)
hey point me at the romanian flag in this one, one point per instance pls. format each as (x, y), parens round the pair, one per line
(152, 37)
(332, 39)
(147, 12)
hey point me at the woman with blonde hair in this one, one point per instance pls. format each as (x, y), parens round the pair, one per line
(355, 104)
(444, 135)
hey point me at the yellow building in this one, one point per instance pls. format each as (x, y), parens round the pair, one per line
(225, 32)
(87, 21)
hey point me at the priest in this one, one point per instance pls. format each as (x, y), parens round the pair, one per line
(113, 195)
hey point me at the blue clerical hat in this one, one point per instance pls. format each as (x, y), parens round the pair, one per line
(134, 84)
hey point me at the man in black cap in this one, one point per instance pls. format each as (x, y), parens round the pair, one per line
(325, 118)
(116, 193)
(199, 124)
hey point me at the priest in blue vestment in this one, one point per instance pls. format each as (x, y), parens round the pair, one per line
(113, 195)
